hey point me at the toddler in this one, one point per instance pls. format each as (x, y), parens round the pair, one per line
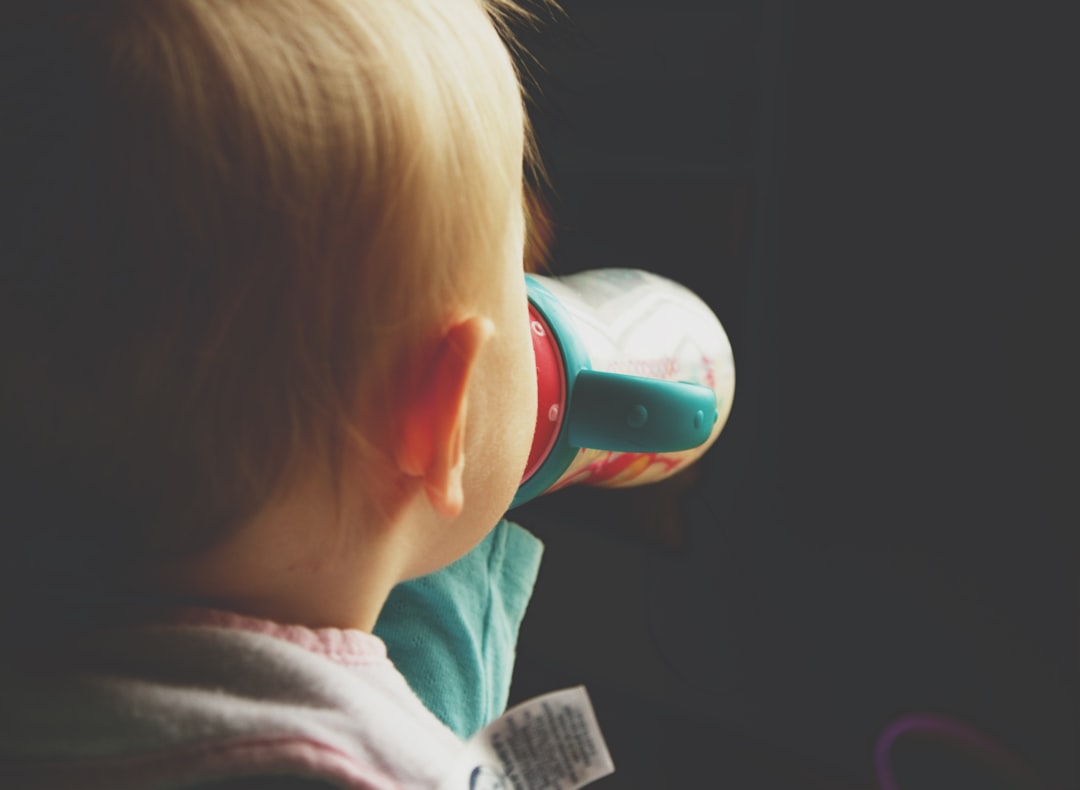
(266, 356)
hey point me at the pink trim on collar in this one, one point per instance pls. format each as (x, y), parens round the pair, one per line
(346, 646)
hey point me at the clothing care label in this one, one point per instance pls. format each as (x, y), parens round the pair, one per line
(551, 742)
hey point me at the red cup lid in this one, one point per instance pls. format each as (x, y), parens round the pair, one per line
(550, 391)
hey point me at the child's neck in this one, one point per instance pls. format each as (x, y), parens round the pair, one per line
(304, 560)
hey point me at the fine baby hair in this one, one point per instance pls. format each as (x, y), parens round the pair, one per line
(225, 225)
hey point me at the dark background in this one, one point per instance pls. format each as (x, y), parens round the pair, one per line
(880, 202)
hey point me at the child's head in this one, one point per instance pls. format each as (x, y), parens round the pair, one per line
(234, 230)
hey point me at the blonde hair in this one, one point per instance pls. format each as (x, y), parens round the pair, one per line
(236, 220)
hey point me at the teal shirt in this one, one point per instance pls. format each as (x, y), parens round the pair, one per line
(453, 634)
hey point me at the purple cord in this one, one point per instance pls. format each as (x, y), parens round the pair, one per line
(942, 728)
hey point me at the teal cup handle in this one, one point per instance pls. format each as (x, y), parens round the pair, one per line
(614, 411)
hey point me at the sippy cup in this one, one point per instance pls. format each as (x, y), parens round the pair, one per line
(635, 379)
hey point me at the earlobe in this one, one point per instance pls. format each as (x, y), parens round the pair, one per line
(432, 437)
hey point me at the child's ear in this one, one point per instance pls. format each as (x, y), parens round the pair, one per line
(431, 442)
